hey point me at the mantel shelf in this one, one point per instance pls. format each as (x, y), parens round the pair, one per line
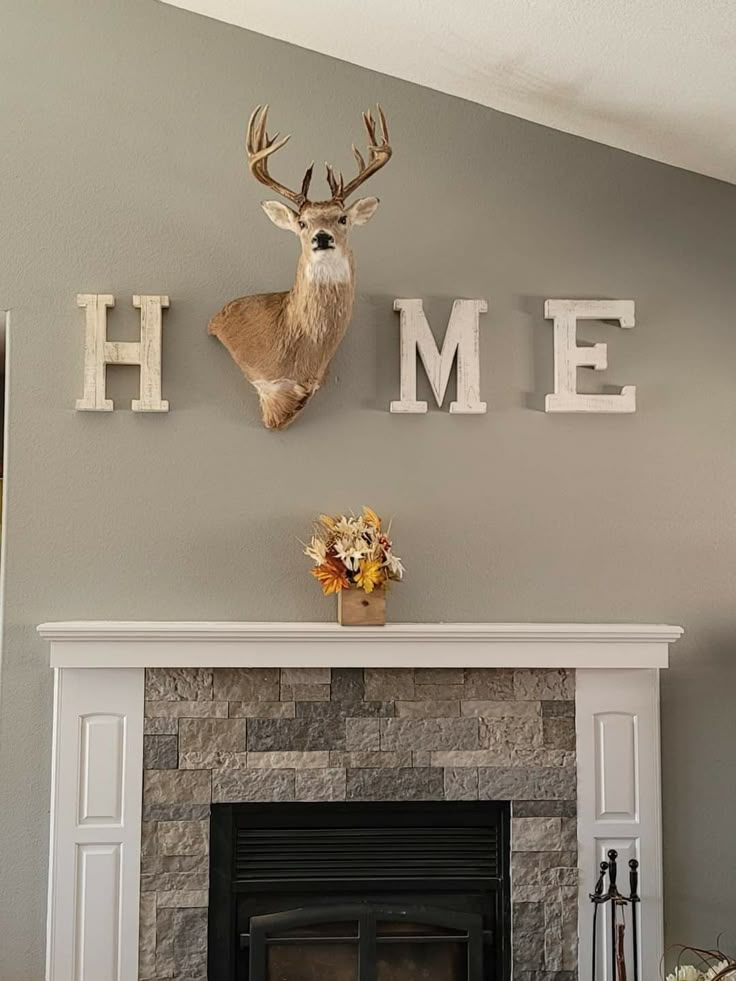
(109, 644)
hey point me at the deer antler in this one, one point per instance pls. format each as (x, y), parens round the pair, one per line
(379, 156)
(259, 146)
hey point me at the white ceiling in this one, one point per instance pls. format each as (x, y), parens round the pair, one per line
(657, 77)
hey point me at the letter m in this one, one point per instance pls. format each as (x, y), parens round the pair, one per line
(461, 339)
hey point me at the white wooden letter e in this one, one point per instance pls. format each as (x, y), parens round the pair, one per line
(569, 356)
(461, 338)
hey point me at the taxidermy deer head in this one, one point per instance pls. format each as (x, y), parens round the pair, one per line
(284, 342)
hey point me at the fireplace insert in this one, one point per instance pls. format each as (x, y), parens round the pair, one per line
(359, 892)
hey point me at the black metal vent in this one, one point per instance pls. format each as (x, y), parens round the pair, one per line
(268, 854)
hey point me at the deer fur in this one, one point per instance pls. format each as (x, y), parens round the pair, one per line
(284, 342)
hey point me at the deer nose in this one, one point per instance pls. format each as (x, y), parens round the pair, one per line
(323, 240)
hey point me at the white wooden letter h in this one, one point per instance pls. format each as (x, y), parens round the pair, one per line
(99, 352)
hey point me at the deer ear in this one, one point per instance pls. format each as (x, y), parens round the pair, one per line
(362, 211)
(280, 215)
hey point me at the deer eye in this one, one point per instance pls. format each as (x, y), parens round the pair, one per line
(302, 224)
(343, 219)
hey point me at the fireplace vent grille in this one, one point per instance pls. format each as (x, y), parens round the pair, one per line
(272, 854)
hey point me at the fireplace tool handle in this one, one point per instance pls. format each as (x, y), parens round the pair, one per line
(635, 900)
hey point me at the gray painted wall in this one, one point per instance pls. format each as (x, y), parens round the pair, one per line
(123, 171)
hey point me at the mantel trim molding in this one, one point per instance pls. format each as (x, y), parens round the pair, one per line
(107, 644)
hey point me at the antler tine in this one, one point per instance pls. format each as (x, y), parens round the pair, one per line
(259, 146)
(336, 183)
(379, 154)
(307, 180)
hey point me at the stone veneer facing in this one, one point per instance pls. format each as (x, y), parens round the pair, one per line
(307, 734)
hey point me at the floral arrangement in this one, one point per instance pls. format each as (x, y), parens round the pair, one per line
(353, 552)
(713, 965)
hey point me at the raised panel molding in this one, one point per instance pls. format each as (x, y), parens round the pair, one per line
(97, 912)
(101, 769)
(94, 873)
(616, 763)
(619, 803)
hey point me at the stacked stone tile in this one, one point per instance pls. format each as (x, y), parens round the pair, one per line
(309, 734)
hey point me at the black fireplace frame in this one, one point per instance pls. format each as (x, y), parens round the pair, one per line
(485, 888)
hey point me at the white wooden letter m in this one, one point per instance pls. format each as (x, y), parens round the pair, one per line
(461, 339)
(99, 352)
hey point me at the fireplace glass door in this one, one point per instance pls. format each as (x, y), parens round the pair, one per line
(365, 942)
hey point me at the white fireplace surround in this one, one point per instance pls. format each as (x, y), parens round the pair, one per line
(94, 866)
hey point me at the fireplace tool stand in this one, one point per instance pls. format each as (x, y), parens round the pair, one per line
(619, 903)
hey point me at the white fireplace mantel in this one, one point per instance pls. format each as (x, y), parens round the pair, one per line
(101, 644)
(97, 763)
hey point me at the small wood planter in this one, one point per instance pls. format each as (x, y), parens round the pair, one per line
(356, 608)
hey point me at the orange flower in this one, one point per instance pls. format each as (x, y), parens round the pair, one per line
(369, 575)
(332, 576)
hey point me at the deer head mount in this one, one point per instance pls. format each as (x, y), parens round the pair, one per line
(284, 342)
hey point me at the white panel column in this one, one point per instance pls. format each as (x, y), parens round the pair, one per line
(619, 804)
(94, 879)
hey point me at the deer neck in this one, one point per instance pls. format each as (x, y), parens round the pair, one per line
(321, 299)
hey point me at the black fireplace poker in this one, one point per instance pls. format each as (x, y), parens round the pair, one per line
(618, 902)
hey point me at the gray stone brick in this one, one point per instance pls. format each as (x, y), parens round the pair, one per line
(305, 693)
(559, 733)
(553, 934)
(538, 684)
(347, 685)
(160, 727)
(175, 812)
(165, 943)
(362, 734)
(174, 882)
(520, 783)
(528, 936)
(535, 868)
(244, 785)
(569, 833)
(212, 735)
(438, 693)
(389, 684)
(536, 834)
(246, 684)
(178, 684)
(421, 757)
(342, 710)
(433, 734)
(182, 837)
(186, 710)
(417, 783)
(372, 760)
(509, 737)
(160, 752)
(561, 709)
(184, 863)
(439, 676)
(190, 944)
(494, 684)
(329, 784)
(183, 899)
(461, 783)
(262, 710)
(290, 760)
(544, 808)
(147, 937)
(306, 676)
(176, 786)
(215, 759)
(443, 709)
(486, 709)
(267, 735)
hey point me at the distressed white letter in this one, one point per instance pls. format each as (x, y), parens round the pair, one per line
(98, 352)
(569, 357)
(462, 336)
